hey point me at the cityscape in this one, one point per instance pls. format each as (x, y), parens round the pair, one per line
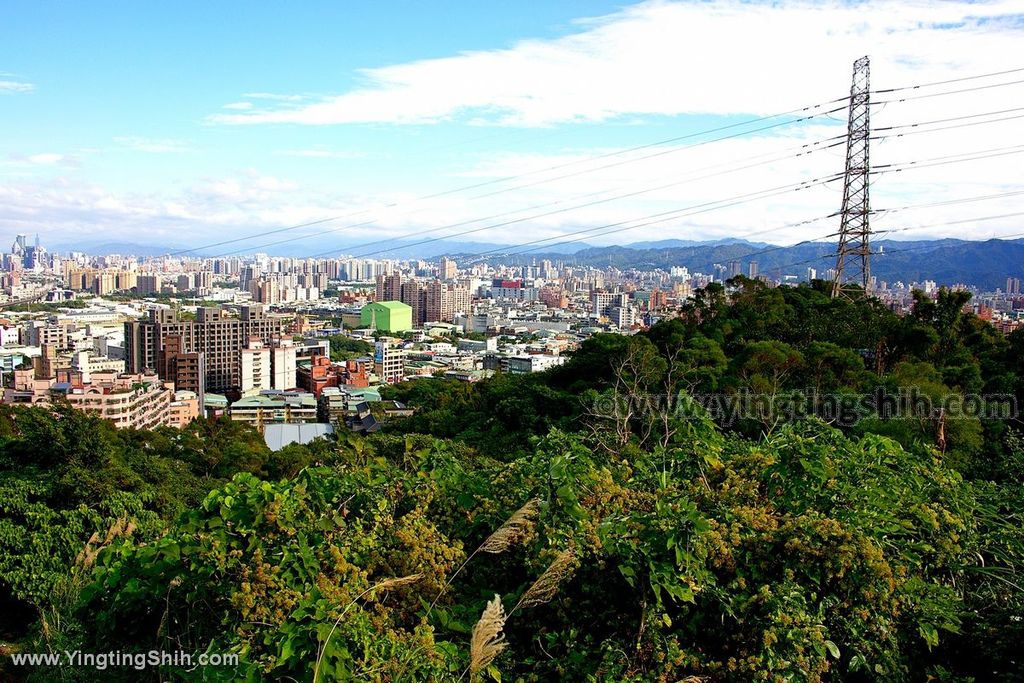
(250, 337)
(477, 342)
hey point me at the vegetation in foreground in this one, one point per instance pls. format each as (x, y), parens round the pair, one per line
(562, 526)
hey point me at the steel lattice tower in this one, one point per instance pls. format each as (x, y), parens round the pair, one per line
(853, 258)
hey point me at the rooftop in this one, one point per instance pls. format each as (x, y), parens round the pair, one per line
(392, 305)
(277, 436)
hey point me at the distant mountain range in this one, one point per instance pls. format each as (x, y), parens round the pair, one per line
(986, 264)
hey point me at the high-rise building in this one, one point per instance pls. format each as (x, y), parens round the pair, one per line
(186, 370)
(1013, 286)
(554, 297)
(148, 284)
(448, 269)
(414, 295)
(444, 300)
(388, 361)
(389, 287)
(219, 337)
(615, 306)
(752, 270)
(256, 372)
(283, 365)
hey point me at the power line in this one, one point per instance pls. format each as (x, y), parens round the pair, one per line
(947, 120)
(791, 112)
(948, 92)
(947, 223)
(803, 149)
(773, 191)
(801, 110)
(941, 128)
(670, 215)
(272, 232)
(506, 251)
(749, 255)
(948, 202)
(947, 81)
(923, 247)
(884, 168)
(662, 153)
(558, 211)
(944, 160)
(667, 141)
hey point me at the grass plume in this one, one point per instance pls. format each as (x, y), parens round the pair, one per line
(87, 556)
(511, 532)
(488, 641)
(544, 588)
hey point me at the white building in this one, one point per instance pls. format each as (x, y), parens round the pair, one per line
(256, 369)
(283, 364)
(388, 361)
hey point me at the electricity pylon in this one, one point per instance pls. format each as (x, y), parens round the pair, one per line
(853, 258)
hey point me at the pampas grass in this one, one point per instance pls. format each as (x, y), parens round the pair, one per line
(488, 641)
(546, 586)
(511, 532)
(87, 556)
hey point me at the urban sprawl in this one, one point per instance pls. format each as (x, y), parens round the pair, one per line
(298, 347)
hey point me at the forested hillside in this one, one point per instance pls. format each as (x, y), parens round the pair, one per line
(734, 495)
(984, 264)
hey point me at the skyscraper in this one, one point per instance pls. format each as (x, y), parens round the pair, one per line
(448, 269)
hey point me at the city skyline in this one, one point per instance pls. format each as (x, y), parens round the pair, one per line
(360, 115)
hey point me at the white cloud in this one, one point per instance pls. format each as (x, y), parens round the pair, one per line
(273, 96)
(40, 159)
(670, 58)
(546, 205)
(215, 209)
(16, 87)
(45, 158)
(659, 58)
(320, 154)
(152, 145)
(240, 106)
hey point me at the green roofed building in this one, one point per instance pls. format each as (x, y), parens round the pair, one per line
(387, 316)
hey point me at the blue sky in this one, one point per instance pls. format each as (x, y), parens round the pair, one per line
(164, 124)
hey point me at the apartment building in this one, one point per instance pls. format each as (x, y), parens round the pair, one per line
(184, 408)
(88, 363)
(444, 300)
(140, 401)
(448, 269)
(275, 407)
(389, 287)
(389, 361)
(255, 367)
(215, 334)
(100, 281)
